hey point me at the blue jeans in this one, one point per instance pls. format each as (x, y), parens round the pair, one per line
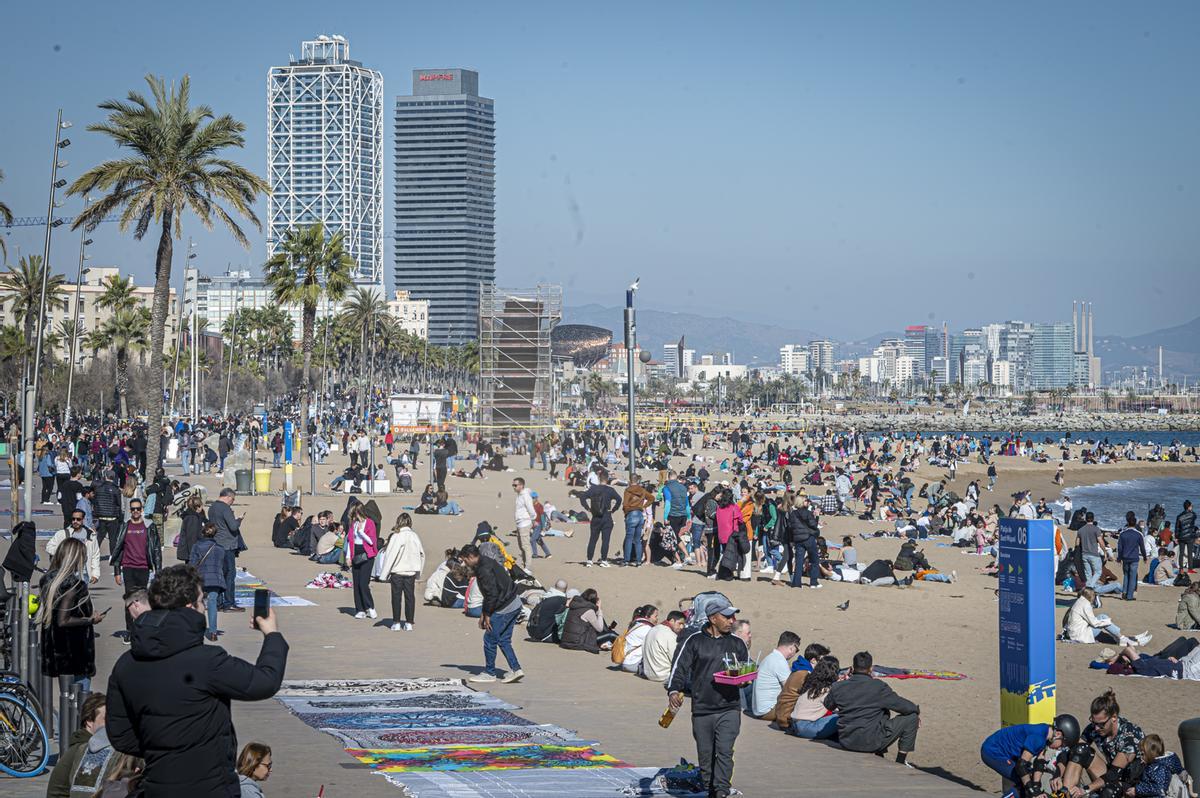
(229, 600)
(1111, 628)
(470, 612)
(697, 535)
(185, 458)
(821, 729)
(935, 578)
(1092, 565)
(634, 519)
(1130, 567)
(808, 547)
(500, 635)
(1111, 587)
(451, 508)
(212, 597)
(536, 539)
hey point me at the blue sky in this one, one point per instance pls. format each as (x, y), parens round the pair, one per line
(843, 167)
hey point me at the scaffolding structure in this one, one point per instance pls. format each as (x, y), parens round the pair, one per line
(516, 373)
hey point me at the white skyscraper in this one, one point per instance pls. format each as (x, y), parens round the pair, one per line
(325, 151)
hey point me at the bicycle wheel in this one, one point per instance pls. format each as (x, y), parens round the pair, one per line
(24, 745)
(11, 683)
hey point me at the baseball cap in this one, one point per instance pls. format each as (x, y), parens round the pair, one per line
(721, 606)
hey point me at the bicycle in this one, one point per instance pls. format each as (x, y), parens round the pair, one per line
(24, 744)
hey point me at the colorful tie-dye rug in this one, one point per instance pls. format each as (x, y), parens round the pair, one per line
(437, 738)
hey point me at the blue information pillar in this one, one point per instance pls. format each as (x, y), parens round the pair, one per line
(1027, 622)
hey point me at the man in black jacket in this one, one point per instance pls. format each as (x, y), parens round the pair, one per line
(1185, 533)
(805, 527)
(600, 501)
(500, 611)
(716, 708)
(168, 696)
(107, 510)
(862, 704)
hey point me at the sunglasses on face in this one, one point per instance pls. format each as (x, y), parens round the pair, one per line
(135, 509)
(77, 518)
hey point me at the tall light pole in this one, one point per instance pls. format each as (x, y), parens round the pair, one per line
(232, 346)
(76, 315)
(630, 343)
(32, 381)
(194, 352)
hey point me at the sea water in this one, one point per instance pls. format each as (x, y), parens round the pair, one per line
(1114, 437)
(1111, 500)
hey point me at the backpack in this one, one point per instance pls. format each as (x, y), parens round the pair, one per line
(618, 649)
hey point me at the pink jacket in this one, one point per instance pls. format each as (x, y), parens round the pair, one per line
(371, 546)
(728, 518)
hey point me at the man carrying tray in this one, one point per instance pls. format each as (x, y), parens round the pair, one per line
(716, 709)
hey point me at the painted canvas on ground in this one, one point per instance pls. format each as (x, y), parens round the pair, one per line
(415, 701)
(536, 783)
(545, 734)
(430, 719)
(477, 757)
(323, 687)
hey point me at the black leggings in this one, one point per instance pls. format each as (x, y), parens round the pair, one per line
(403, 597)
(361, 576)
(715, 550)
(602, 528)
(1179, 648)
(47, 488)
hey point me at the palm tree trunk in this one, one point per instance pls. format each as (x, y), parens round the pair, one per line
(123, 384)
(306, 345)
(158, 322)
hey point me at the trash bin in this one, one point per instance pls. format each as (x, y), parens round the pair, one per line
(262, 480)
(242, 475)
(1189, 742)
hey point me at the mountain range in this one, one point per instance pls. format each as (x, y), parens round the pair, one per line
(756, 342)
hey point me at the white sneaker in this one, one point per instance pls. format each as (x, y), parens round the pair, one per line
(815, 587)
(604, 564)
(372, 614)
(587, 564)
(677, 566)
(515, 676)
(408, 627)
(954, 576)
(397, 627)
(1144, 638)
(359, 615)
(712, 576)
(483, 678)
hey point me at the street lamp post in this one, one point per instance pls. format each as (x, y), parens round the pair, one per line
(77, 315)
(630, 343)
(32, 380)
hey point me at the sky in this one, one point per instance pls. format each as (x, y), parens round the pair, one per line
(842, 167)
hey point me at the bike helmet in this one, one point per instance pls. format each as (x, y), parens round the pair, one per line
(1069, 727)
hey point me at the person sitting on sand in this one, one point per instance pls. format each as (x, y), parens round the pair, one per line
(584, 628)
(1084, 626)
(809, 718)
(1187, 615)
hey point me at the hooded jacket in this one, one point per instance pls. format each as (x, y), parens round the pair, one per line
(168, 702)
(192, 523)
(697, 659)
(404, 555)
(94, 766)
(107, 504)
(59, 785)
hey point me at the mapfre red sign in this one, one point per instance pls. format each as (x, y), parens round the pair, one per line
(438, 76)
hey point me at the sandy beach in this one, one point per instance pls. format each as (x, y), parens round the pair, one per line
(929, 625)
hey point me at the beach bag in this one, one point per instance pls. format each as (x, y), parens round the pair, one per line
(1182, 580)
(618, 649)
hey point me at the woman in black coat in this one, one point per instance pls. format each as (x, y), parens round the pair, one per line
(66, 618)
(193, 520)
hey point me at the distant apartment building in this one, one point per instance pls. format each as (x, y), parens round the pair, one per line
(1052, 359)
(89, 315)
(412, 314)
(914, 344)
(793, 359)
(820, 356)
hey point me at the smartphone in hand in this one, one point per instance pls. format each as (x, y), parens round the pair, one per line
(262, 603)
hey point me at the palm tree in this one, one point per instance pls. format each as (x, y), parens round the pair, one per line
(23, 284)
(126, 332)
(364, 308)
(13, 343)
(174, 163)
(6, 216)
(295, 274)
(118, 293)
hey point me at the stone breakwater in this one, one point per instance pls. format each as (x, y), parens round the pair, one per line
(1009, 422)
